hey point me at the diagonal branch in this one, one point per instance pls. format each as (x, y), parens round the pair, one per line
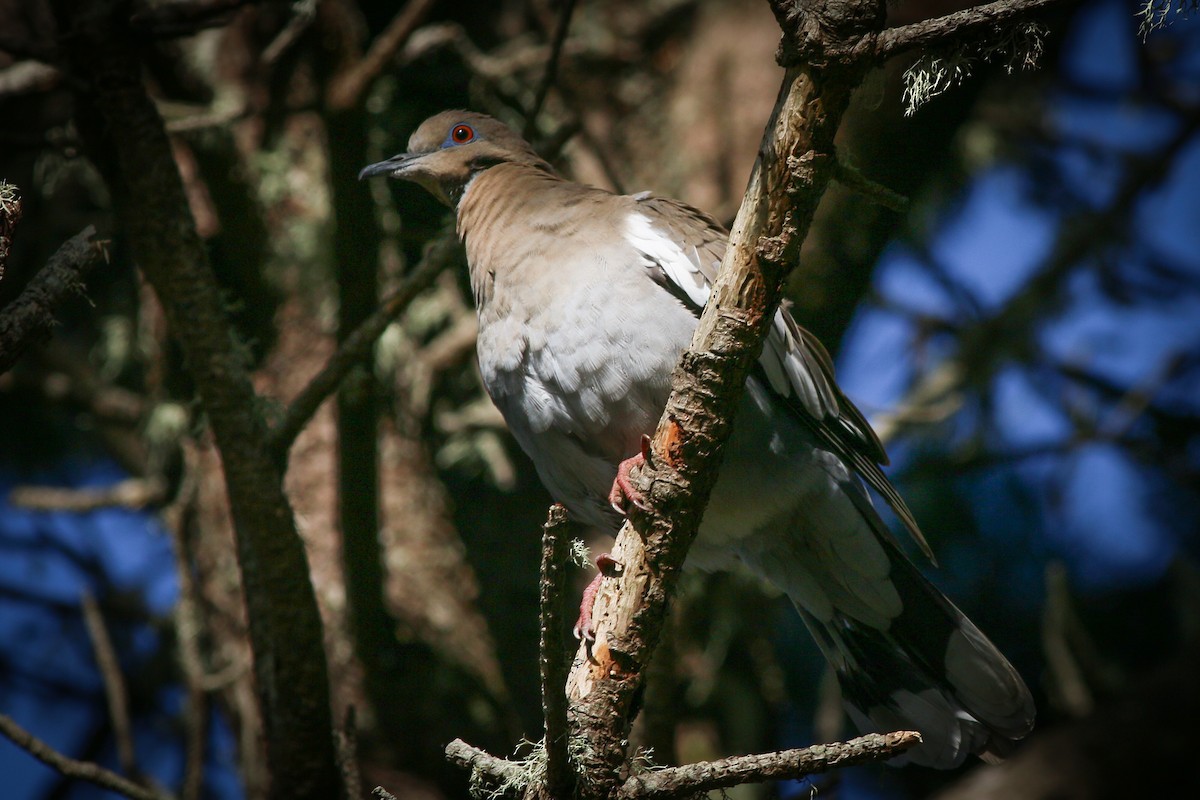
(358, 345)
(693, 779)
(31, 315)
(548, 77)
(795, 163)
(114, 683)
(70, 767)
(347, 89)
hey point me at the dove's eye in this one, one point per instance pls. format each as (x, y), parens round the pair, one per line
(461, 134)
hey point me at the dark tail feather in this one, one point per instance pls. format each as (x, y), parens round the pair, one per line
(930, 670)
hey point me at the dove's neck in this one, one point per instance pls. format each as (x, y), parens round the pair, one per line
(523, 228)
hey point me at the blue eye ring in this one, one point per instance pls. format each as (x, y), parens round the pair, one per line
(460, 134)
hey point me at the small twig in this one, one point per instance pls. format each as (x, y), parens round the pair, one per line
(358, 345)
(553, 660)
(347, 88)
(71, 768)
(485, 768)
(114, 682)
(850, 177)
(303, 14)
(30, 316)
(188, 629)
(347, 753)
(784, 765)
(548, 77)
(132, 493)
(208, 118)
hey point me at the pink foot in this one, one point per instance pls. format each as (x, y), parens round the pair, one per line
(623, 491)
(583, 627)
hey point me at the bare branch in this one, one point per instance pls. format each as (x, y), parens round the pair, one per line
(553, 661)
(556, 47)
(188, 630)
(692, 779)
(303, 14)
(959, 28)
(347, 752)
(130, 493)
(358, 345)
(30, 316)
(850, 177)
(71, 768)
(114, 682)
(347, 88)
(496, 776)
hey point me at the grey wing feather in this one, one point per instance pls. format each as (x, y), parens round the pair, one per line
(797, 367)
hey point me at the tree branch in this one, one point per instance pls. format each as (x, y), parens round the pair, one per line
(347, 89)
(960, 27)
(553, 662)
(850, 177)
(358, 345)
(705, 776)
(500, 778)
(114, 683)
(556, 47)
(71, 768)
(125, 136)
(129, 493)
(31, 315)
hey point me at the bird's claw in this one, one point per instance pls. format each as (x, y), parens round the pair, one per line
(623, 491)
(583, 629)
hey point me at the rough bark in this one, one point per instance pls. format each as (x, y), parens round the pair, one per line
(687, 781)
(125, 135)
(31, 316)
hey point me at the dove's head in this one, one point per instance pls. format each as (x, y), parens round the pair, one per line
(450, 148)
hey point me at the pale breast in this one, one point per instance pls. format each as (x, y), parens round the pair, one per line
(576, 342)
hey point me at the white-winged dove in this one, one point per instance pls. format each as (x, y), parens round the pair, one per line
(586, 300)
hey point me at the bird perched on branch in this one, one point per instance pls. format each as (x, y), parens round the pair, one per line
(586, 299)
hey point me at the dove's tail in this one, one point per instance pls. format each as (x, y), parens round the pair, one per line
(929, 670)
(906, 657)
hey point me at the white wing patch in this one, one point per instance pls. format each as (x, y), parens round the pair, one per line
(781, 357)
(662, 251)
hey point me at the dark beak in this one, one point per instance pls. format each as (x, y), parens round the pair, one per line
(389, 167)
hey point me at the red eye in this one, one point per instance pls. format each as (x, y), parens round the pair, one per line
(462, 134)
